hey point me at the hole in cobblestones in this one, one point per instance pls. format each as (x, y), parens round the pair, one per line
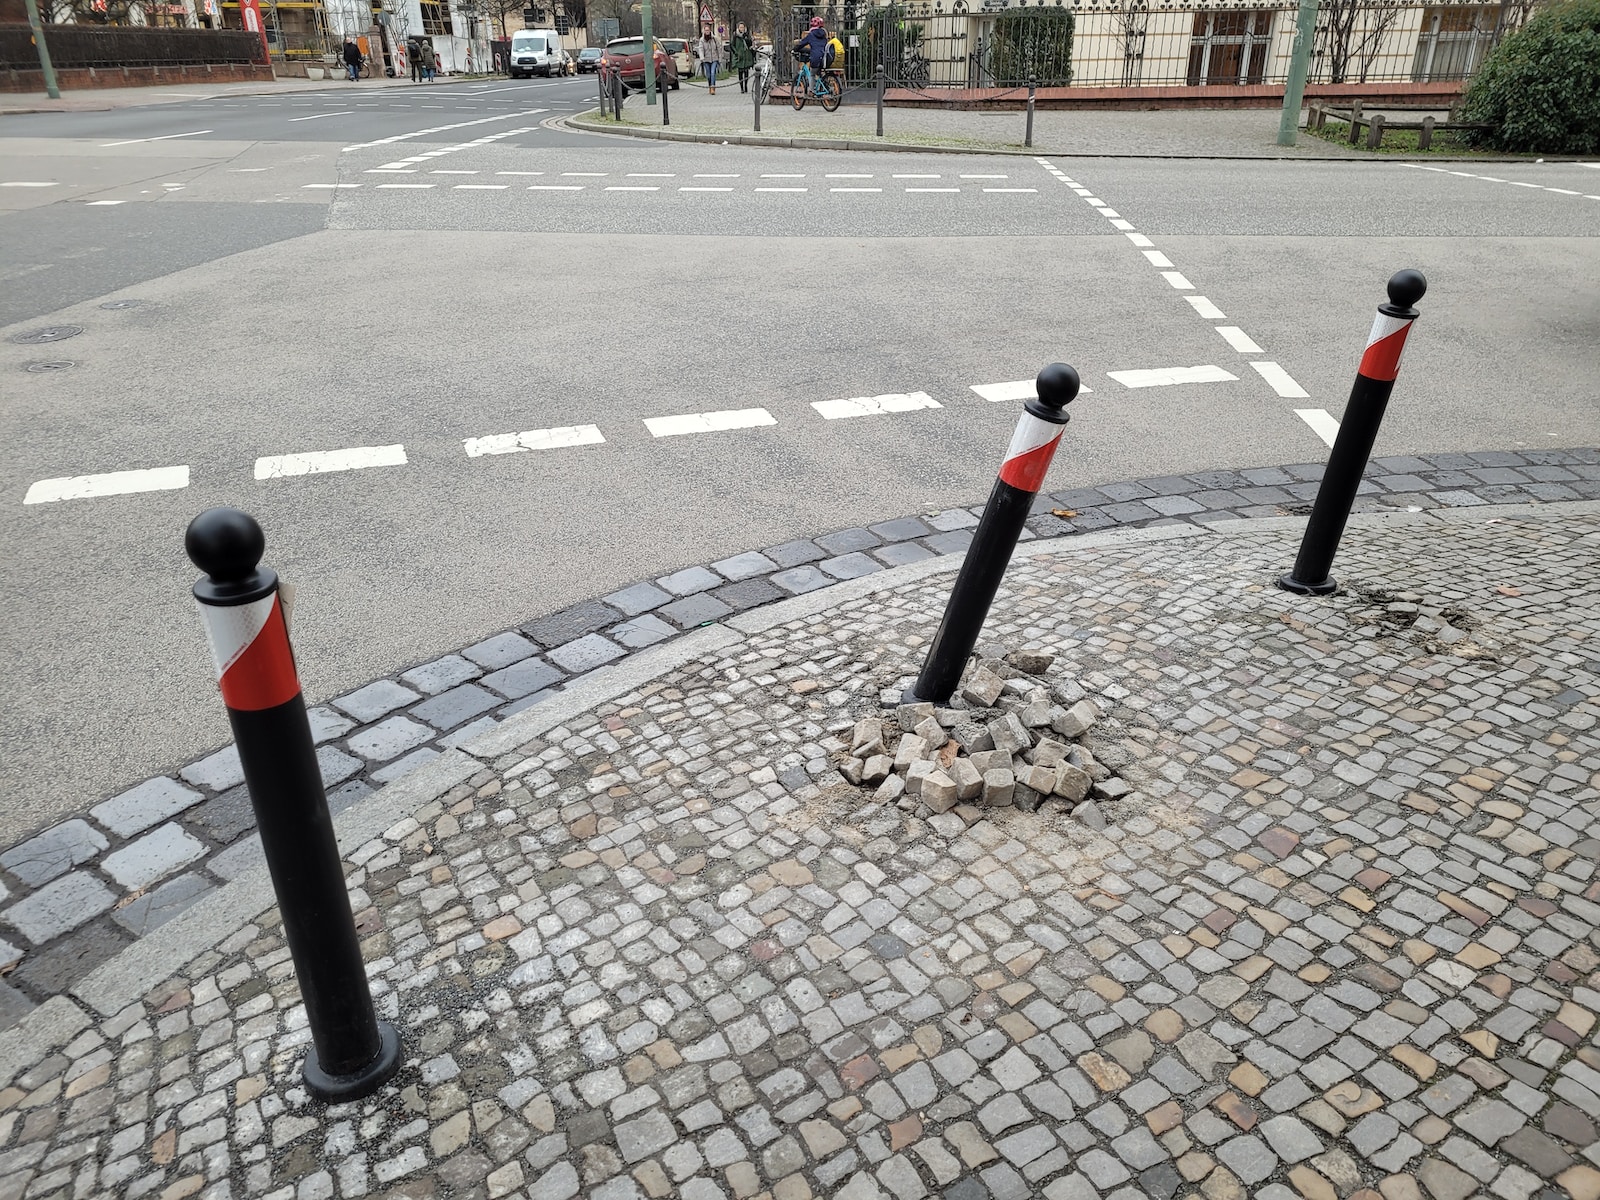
(1449, 629)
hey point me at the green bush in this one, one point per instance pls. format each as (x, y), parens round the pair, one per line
(1540, 87)
(1033, 43)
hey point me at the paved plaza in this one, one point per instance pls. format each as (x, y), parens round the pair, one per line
(644, 939)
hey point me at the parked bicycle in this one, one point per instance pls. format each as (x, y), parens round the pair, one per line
(765, 72)
(823, 87)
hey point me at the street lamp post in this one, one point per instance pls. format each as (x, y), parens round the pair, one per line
(1294, 88)
(45, 66)
(648, 29)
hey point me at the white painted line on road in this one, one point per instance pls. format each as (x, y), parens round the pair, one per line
(916, 177)
(1206, 309)
(778, 189)
(937, 189)
(1107, 211)
(1020, 389)
(584, 174)
(317, 462)
(986, 177)
(871, 406)
(1563, 191)
(1238, 339)
(1321, 422)
(533, 439)
(519, 172)
(705, 189)
(444, 171)
(247, 170)
(848, 176)
(1280, 380)
(420, 186)
(480, 187)
(390, 171)
(349, 112)
(328, 186)
(555, 187)
(1124, 226)
(717, 177)
(783, 177)
(708, 422)
(1177, 280)
(856, 189)
(1034, 191)
(166, 137)
(104, 203)
(1157, 259)
(1167, 376)
(649, 174)
(617, 187)
(403, 137)
(28, 183)
(1138, 239)
(114, 483)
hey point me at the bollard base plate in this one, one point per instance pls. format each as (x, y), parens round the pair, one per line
(1326, 588)
(337, 1089)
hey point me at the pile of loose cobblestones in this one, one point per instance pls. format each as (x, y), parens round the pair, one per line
(663, 948)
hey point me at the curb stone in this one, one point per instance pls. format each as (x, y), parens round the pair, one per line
(520, 671)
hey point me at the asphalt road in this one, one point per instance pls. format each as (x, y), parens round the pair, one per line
(298, 295)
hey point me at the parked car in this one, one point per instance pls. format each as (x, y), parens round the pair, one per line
(626, 57)
(535, 52)
(679, 50)
(589, 59)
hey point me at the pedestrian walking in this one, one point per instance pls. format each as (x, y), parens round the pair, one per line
(430, 61)
(742, 55)
(352, 59)
(710, 58)
(414, 56)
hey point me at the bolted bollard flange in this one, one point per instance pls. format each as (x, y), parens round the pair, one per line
(352, 1053)
(1033, 446)
(1358, 430)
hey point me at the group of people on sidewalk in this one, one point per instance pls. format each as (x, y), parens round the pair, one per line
(821, 49)
(420, 53)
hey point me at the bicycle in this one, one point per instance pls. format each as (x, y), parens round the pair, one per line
(916, 76)
(764, 73)
(807, 86)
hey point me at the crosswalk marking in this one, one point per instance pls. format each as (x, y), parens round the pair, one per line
(1168, 376)
(1206, 309)
(1280, 380)
(708, 422)
(1321, 422)
(533, 439)
(869, 406)
(112, 483)
(317, 462)
(1238, 339)
(1018, 389)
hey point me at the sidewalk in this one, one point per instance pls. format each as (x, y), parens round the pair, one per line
(105, 99)
(1326, 926)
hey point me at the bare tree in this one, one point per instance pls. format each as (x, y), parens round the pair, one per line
(1132, 22)
(1350, 33)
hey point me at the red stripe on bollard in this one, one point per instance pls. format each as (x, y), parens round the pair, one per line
(1384, 346)
(1033, 446)
(250, 645)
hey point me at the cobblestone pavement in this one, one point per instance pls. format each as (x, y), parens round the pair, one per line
(75, 895)
(646, 941)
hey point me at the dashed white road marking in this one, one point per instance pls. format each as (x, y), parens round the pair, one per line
(317, 462)
(650, 175)
(113, 483)
(555, 187)
(29, 183)
(416, 133)
(519, 172)
(534, 439)
(166, 137)
(783, 177)
(1167, 376)
(986, 177)
(869, 406)
(448, 171)
(1157, 259)
(933, 189)
(1206, 309)
(1238, 339)
(1019, 389)
(349, 112)
(780, 189)
(847, 176)
(1138, 239)
(422, 186)
(1280, 380)
(1178, 280)
(1321, 422)
(480, 187)
(617, 187)
(327, 186)
(716, 176)
(915, 177)
(584, 174)
(705, 189)
(1033, 190)
(104, 203)
(708, 422)
(856, 189)
(1123, 226)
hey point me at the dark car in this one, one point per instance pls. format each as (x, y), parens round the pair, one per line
(626, 56)
(589, 59)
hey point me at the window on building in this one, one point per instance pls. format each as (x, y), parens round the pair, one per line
(436, 17)
(1453, 41)
(1229, 46)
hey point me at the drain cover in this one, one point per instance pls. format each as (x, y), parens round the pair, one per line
(38, 368)
(122, 304)
(50, 333)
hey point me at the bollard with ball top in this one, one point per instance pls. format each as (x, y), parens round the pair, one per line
(1358, 430)
(1022, 473)
(353, 1053)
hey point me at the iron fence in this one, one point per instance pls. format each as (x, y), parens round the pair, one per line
(1129, 43)
(111, 46)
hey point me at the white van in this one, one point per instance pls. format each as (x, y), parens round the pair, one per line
(535, 52)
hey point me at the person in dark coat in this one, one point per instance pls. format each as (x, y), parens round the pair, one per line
(352, 59)
(742, 55)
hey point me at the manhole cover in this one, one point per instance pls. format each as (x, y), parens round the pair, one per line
(50, 333)
(122, 304)
(38, 368)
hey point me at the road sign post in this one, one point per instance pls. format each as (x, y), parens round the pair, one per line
(1294, 90)
(649, 52)
(45, 65)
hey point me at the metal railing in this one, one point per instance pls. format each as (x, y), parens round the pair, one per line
(1127, 43)
(112, 46)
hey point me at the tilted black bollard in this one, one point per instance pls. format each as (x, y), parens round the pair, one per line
(666, 113)
(880, 99)
(1363, 413)
(760, 77)
(1033, 445)
(1032, 87)
(353, 1053)
(600, 77)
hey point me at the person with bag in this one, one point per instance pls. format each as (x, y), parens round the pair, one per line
(414, 57)
(352, 59)
(430, 62)
(742, 55)
(710, 58)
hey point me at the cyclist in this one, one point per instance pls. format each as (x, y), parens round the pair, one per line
(814, 47)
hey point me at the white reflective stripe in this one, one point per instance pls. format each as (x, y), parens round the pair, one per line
(1032, 432)
(230, 630)
(1383, 325)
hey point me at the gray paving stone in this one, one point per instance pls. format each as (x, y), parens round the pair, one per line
(846, 541)
(375, 700)
(640, 598)
(699, 609)
(1291, 1139)
(586, 653)
(326, 724)
(60, 905)
(229, 864)
(154, 856)
(800, 579)
(1490, 1121)
(851, 566)
(902, 529)
(441, 674)
(13, 1005)
(402, 767)
(390, 738)
(1247, 1157)
(54, 852)
(745, 566)
(523, 678)
(689, 581)
(955, 541)
(751, 593)
(147, 804)
(449, 709)
(569, 624)
(219, 771)
(898, 554)
(336, 766)
(158, 907)
(795, 554)
(642, 631)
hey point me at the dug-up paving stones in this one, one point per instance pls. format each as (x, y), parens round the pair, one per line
(1344, 948)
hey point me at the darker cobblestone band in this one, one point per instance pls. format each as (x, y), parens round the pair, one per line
(77, 893)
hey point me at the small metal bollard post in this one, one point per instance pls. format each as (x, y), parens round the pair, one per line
(352, 1052)
(666, 115)
(600, 78)
(880, 99)
(1033, 445)
(1363, 413)
(756, 93)
(1033, 86)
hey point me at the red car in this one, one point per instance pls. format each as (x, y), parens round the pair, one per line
(626, 56)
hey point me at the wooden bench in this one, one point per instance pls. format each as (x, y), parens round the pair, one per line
(1377, 124)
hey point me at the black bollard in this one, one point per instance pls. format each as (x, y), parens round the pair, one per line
(880, 99)
(353, 1053)
(1363, 413)
(666, 114)
(600, 78)
(760, 76)
(1033, 445)
(1032, 87)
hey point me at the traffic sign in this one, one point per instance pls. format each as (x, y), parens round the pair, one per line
(705, 12)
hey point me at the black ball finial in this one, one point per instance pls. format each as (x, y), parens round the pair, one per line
(1056, 386)
(1406, 288)
(225, 543)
